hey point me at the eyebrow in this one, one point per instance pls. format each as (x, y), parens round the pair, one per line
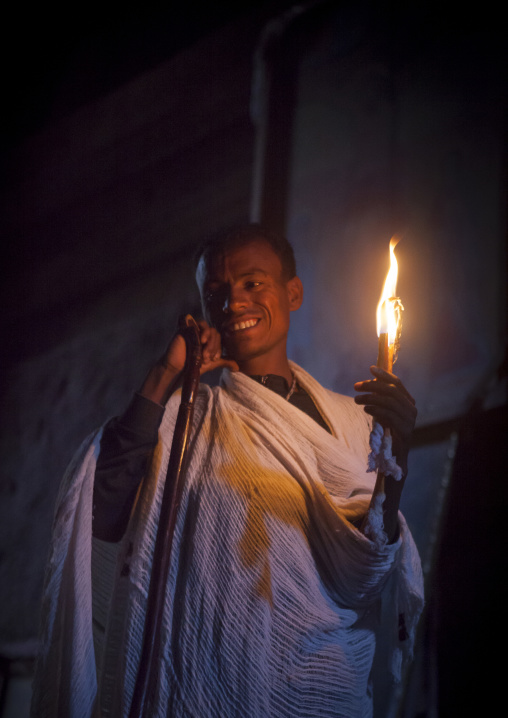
(251, 272)
(254, 271)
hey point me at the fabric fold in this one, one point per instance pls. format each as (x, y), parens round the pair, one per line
(273, 592)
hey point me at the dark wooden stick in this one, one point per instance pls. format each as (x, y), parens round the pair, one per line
(384, 361)
(150, 654)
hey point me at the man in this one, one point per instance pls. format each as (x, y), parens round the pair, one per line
(274, 589)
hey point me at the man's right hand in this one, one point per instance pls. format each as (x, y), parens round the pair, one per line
(164, 376)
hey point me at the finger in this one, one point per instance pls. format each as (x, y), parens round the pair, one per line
(382, 393)
(174, 354)
(204, 331)
(220, 363)
(387, 377)
(398, 406)
(387, 419)
(384, 383)
(229, 364)
(381, 388)
(212, 350)
(387, 396)
(400, 418)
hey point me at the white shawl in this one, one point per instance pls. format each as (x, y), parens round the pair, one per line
(273, 595)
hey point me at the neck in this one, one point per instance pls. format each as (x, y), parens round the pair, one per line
(261, 367)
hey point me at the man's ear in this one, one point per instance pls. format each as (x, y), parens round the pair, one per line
(295, 293)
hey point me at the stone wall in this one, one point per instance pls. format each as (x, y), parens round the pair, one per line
(101, 214)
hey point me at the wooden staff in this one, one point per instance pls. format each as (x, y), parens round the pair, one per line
(384, 361)
(150, 654)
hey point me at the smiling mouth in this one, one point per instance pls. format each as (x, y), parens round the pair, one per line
(241, 326)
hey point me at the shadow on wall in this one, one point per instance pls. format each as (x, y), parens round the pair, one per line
(15, 686)
(467, 592)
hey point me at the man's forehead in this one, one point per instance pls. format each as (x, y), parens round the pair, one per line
(256, 256)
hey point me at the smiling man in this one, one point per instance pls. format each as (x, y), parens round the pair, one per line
(273, 598)
(247, 296)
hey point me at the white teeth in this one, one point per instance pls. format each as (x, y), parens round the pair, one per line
(244, 325)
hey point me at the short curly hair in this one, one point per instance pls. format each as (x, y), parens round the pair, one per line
(243, 234)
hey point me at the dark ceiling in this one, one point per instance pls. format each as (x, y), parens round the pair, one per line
(56, 59)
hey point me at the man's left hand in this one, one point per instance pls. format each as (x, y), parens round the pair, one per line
(388, 401)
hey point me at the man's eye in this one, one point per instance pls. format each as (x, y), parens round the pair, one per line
(252, 284)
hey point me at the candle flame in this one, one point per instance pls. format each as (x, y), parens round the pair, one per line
(389, 308)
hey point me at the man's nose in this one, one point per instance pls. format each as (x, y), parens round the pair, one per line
(235, 300)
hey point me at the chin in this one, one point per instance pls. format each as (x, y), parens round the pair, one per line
(240, 353)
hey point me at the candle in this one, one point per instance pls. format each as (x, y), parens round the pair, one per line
(389, 323)
(389, 315)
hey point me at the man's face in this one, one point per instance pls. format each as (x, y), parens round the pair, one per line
(246, 297)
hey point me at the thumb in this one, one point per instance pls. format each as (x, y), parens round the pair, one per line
(220, 363)
(230, 364)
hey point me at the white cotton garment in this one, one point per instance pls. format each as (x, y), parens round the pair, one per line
(272, 601)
